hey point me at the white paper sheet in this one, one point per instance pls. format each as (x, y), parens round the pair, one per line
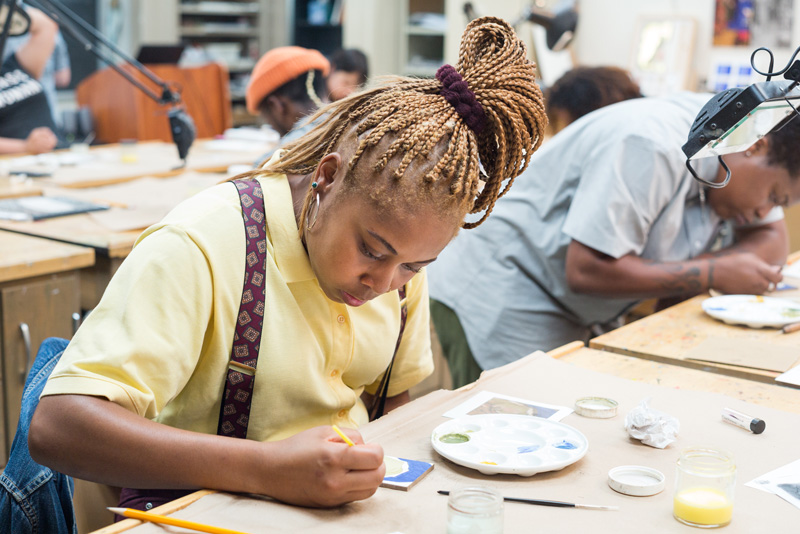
(792, 270)
(792, 376)
(487, 402)
(787, 474)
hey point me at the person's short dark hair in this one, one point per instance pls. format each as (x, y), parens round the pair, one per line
(585, 89)
(351, 60)
(783, 145)
(296, 90)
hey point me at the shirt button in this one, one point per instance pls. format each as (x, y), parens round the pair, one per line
(334, 373)
(342, 414)
(340, 319)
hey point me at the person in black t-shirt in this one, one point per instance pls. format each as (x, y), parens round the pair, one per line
(26, 124)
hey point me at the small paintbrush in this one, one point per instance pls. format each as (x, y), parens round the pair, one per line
(559, 504)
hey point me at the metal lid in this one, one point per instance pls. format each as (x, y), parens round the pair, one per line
(636, 480)
(596, 407)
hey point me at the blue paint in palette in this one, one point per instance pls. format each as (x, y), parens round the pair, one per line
(566, 445)
(528, 448)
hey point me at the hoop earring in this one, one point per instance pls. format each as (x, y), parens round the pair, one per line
(315, 205)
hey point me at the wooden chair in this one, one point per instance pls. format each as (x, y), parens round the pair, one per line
(122, 111)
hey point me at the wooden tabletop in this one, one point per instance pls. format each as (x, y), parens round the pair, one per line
(79, 229)
(25, 257)
(406, 432)
(110, 164)
(149, 200)
(673, 335)
(670, 335)
(673, 376)
(11, 188)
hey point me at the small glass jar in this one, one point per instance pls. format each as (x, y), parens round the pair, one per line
(475, 510)
(704, 488)
(128, 151)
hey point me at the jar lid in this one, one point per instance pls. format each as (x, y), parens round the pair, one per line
(596, 407)
(636, 480)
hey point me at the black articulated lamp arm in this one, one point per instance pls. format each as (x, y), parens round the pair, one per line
(14, 21)
(181, 124)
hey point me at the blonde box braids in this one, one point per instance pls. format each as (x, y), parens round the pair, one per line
(414, 115)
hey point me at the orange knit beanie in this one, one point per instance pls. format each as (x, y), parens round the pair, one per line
(278, 66)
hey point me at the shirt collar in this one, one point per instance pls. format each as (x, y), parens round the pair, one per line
(290, 255)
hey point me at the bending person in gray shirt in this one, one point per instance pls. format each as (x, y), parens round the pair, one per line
(606, 215)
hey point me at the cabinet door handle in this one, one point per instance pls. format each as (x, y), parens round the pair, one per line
(26, 338)
(76, 322)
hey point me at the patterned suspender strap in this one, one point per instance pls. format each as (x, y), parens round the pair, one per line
(235, 406)
(379, 401)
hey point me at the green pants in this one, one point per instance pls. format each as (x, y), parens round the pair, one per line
(463, 367)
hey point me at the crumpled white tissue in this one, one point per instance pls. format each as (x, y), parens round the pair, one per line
(652, 427)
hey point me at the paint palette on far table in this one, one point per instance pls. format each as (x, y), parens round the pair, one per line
(753, 310)
(513, 444)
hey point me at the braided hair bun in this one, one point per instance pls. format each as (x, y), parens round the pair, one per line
(474, 127)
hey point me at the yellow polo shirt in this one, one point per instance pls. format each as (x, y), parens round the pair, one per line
(159, 341)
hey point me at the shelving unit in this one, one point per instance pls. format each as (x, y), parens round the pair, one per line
(229, 32)
(423, 42)
(318, 24)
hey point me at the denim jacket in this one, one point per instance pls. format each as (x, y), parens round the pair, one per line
(33, 498)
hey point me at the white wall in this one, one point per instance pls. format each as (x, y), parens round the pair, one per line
(375, 27)
(606, 31)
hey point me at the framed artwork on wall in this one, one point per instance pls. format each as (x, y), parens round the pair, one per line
(753, 23)
(662, 54)
(740, 27)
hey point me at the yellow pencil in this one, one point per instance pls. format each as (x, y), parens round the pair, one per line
(343, 436)
(155, 518)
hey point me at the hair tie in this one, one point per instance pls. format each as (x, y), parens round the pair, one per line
(456, 91)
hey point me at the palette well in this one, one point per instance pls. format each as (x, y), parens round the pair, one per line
(754, 311)
(513, 444)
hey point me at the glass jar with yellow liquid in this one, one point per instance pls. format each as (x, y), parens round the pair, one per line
(704, 488)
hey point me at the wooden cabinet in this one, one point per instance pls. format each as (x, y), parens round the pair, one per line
(31, 312)
(39, 295)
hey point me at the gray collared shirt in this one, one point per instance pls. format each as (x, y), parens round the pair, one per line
(616, 181)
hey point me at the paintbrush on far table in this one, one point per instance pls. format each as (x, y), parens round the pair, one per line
(789, 328)
(559, 504)
(166, 520)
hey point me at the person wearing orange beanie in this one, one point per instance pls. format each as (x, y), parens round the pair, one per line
(287, 85)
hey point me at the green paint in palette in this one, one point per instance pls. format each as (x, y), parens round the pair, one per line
(454, 438)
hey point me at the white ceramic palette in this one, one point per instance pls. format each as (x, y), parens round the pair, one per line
(514, 444)
(753, 310)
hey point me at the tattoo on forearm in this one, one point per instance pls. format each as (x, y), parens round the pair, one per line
(711, 263)
(679, 279)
